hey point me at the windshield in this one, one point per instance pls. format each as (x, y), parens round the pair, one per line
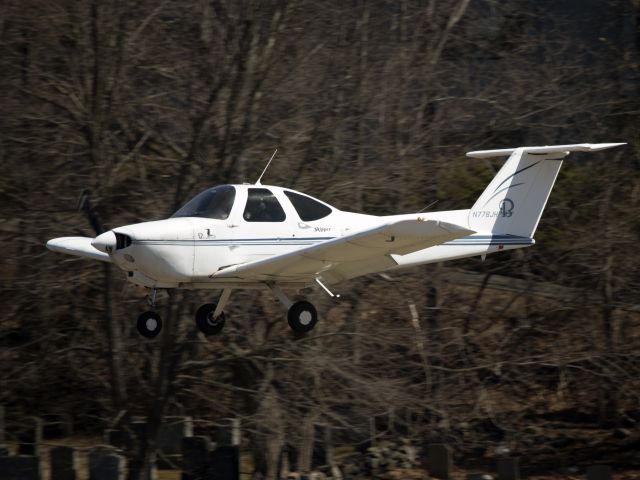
(213, 203)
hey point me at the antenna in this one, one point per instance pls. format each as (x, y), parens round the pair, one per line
(265, 168)
(428, 206)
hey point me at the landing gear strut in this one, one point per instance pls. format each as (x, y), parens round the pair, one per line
(149, 323)
(210, 318)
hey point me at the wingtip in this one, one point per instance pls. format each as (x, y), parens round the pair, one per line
(604, 146)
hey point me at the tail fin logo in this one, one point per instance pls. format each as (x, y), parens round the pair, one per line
(506, 207)
(505, 210)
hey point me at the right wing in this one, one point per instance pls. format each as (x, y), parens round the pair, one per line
(78, 246)
(341, 258)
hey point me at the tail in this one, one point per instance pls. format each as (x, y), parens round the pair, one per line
(513, 202)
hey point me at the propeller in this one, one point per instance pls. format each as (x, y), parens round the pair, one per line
(84, 205)
(104, 241)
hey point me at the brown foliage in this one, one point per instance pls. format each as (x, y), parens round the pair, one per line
(371, 105)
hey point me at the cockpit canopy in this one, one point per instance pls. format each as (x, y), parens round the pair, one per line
(214, 203)
(261, 204)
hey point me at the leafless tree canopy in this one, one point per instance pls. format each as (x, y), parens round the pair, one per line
(371, 105)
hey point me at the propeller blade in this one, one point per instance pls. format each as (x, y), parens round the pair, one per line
(84, 205)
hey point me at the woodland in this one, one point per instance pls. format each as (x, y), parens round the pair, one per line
(116, 112)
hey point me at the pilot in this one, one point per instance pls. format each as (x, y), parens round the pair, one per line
(257, 211)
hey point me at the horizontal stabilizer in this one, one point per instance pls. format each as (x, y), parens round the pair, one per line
(78, 246)
(578, 147)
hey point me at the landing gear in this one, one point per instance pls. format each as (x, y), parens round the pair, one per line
(207, 322)
(149, 324)
(302, 317)
(210, 318)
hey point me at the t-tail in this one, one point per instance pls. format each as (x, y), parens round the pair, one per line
(512, 204)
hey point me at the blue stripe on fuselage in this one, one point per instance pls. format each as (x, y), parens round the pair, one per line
(470, 240)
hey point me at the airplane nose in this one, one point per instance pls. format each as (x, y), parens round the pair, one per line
(105, 242)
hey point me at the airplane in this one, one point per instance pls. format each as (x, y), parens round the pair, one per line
(248, 236)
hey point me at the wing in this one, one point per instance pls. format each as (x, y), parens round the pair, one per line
(347, 257)
(78, 246)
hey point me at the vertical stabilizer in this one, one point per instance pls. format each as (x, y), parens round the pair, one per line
(513, 202)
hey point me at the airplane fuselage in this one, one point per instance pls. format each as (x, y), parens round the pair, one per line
(184, 252)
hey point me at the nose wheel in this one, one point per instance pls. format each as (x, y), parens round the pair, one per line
(149, 324)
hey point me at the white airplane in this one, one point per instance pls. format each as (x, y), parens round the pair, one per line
(259, 236)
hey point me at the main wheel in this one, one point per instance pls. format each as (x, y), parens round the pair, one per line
(205, 321)
(149, 324)
(302, 317)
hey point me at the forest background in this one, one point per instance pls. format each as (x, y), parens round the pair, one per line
(372, 105)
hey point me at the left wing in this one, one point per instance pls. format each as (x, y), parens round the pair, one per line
(347, 257)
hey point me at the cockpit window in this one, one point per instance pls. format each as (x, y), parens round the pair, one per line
(213, 203)
(263, 206)
(308, 209)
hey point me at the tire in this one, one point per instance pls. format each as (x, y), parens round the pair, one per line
(302, 317)
(206, 324)
(149, 324)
